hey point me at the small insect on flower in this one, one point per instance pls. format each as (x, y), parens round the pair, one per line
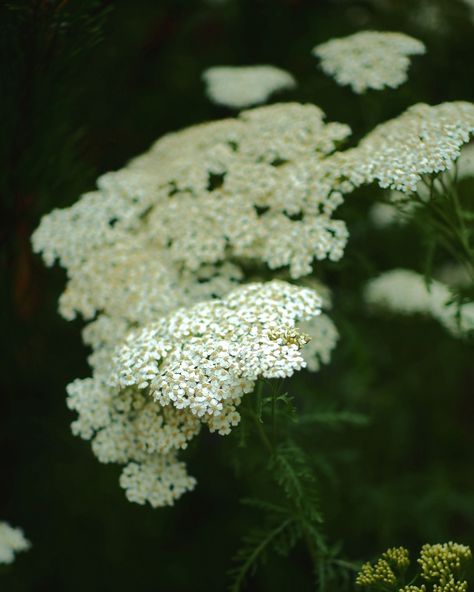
(290, 337)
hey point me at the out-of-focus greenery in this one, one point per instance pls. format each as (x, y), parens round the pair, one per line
(87, 85)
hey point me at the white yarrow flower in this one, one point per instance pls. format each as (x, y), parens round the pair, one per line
(405, 292)
(244, 86)
(153, 260)
(12, 540)
(204, 357)
(156, 235)
(149, 397)
(369, 59)
(323, 339)
(424, 140)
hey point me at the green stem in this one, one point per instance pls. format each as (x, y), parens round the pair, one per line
(274, 416)
(251, 560)
(260, 431)
(258, 400)
(447, 219)
(458, 226)
(345, 564)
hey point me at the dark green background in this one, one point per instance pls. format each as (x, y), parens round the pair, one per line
(88, 85)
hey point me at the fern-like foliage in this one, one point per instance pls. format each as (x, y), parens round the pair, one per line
(275, 535)
(295, 476)
(293, 514)
(297, 516)
(445, 220)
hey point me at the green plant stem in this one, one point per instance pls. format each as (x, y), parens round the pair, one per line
(273, 417)
(447, 219)
(251, 560)
(261, 431)
(316, 554)
(345, 564)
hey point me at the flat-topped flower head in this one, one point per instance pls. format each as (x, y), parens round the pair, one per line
(378, 574)
(12, 540)
(440, 563)
(160, 480)
(369, 59)
(206, 357)
(159, 233)
(150, 396)
(156, 253)
(440, 569)
(244, 86)
(386, 570)
(424, 140)
(405, 292)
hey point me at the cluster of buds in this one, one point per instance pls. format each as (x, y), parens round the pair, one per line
(440, 564)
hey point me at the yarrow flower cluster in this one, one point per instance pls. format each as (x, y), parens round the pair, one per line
(150, 396)
(441, 562)
(369, 59)
(386, 570)
(385, 214)
(244, 86)
(206, 357)
(440, 566)
(259, 188)
(154, 257)
(406, 292)
(425, 140)
(401, 209)
(178, 226)
(12, 540)
(157, 252)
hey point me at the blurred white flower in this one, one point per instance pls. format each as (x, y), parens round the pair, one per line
(406, 292)
(12, 540)
(323, 339)
(383, 215)
(244, 86)
(369, 59)
(466, 162)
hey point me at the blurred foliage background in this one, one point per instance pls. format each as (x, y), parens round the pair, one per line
(87, 85)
